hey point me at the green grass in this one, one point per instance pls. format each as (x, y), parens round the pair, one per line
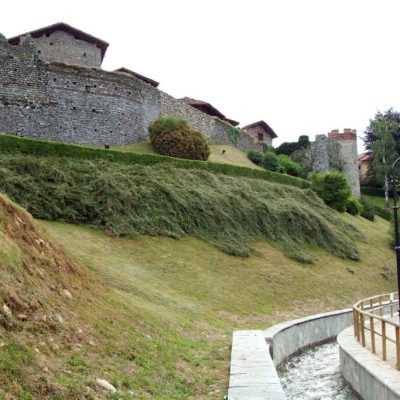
(378, 201)
(156, 314)
(225, 211)
(219, 153)
(190, 297)
(27, 146)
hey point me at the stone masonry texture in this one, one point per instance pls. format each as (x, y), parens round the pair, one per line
(83, 105)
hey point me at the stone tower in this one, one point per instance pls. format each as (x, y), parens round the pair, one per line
(343, 153)
(319, 154)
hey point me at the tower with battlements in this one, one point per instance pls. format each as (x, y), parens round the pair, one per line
(338, 151)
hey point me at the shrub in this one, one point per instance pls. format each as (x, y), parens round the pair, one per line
(270, 162)
(368, 210)
(171, 136)
(234, 133)
(354, 206)
(332, 187)
(289, 166)
(255, 156)
(266, 147)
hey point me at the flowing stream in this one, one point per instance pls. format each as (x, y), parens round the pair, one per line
(314, 374)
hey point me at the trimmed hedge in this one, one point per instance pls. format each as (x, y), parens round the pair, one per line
(375, 191)
(12, 144)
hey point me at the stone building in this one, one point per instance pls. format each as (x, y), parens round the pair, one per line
(364, 163)
(62, 43)
(260, 131)
(52, 87)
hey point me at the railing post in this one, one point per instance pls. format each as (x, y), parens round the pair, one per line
(383, 340)
(355, 322)
(397, 347)
(380, 306)
(362, 330)
(372, 330)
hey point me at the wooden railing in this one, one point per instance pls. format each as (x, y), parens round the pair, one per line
(376, 316)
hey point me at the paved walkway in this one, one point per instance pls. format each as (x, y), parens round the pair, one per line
(253, 374)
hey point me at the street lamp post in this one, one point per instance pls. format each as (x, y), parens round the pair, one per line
(396, 230)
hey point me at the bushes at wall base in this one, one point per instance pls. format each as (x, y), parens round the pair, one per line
(289, 166)
(255, 156)
(270, 162)
(171, 136)
(368, 211)
(331, 187)
(354, 206)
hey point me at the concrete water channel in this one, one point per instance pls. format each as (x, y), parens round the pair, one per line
(315, 374)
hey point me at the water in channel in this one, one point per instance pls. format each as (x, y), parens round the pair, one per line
(314, 374)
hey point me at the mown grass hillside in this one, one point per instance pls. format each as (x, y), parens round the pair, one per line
(194, 296)
(153, 315)
(219, 153)
(228, 212)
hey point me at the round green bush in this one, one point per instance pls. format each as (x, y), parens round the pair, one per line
(290, 167)
(354, 206)
(171, 136)
(270, 162)
(255, 156)
(332, 187)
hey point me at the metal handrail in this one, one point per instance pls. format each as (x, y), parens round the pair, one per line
(364, 310)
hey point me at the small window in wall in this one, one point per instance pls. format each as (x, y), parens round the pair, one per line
(260, 136)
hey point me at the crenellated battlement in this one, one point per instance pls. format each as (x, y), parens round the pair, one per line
(347, 134)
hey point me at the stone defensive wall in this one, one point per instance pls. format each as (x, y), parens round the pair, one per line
(88, 105)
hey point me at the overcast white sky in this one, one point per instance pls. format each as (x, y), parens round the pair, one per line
(303, 66)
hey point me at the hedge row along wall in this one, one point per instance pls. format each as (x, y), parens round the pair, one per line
(9, 144)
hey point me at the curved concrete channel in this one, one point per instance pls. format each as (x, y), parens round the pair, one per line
(257, 354)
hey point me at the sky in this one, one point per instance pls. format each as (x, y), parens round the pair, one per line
(303, 66)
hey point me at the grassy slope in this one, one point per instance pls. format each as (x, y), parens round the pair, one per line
(232, 155)
(193, 295)
(153, 315)
(162, 200)
(378, 201)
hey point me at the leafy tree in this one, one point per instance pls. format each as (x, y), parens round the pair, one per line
(389, 115)
(384, 150)
(288, 148)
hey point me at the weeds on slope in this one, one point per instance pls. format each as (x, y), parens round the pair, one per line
(162, 200)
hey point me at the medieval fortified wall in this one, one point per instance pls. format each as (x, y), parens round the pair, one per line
(52, 87)
(81, 103)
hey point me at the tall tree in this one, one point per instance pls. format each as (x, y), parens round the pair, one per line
(389, 115)
(384, 149)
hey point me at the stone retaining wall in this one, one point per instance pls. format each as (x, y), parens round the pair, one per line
(87, 105)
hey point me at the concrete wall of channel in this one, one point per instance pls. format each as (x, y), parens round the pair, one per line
(282, 341)
(294, 336)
